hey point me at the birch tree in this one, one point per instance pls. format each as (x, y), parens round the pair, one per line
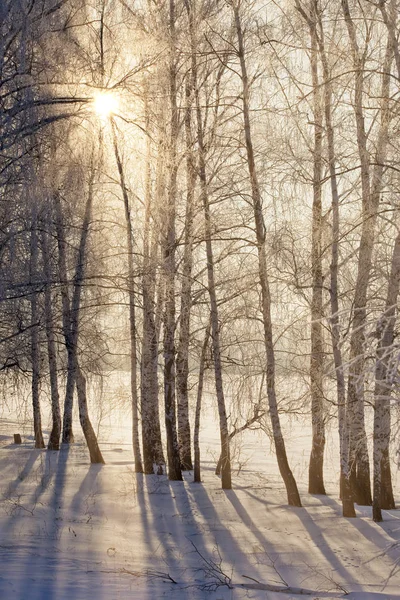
(371, 190)
(284, 468)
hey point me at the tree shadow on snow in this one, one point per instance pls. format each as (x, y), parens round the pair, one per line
(219, 539)
(374, 532)
(167, 516)
(34, 454)
(39, 572)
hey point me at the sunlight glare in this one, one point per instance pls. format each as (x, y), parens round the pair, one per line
(105, 104)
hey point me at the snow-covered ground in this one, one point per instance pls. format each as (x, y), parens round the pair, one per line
(69, 530)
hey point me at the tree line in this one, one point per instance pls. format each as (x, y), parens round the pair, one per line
(238, 206)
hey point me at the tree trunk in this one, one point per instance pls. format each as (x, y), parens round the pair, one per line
(71, 313)
(347, 500)
(174, 466)
(67, 433)
(226, 476)
(132, 315)
(35, 349)
(196, 433)
(359, 460)
(151, 429)
(382, 490)
(54, 440)
(182, 357)
(315, 473)
(285, 471)
(87, 428)
(384, 376)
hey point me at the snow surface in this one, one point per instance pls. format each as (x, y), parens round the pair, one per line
(69, 530)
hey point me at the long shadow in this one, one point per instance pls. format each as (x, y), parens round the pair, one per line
(160, 496)
(86, 488)
(12, 487)
(373, 532)
(272, 551)
(18, 514)
(49, 471)
(181, 542)
(39, 573)
(143, 507)
(318, 539)
(245, 518)
(162, 537)
(78, 587)
(7, 463)
(320, 542)
(230, 550)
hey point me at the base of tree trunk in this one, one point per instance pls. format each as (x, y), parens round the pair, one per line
(362, 491)
(175, 475)
(226, 479)
(174, 468)
(54, 439)
(39, 441)
(387, 498)
(293, 495)
(348, 509)
(96, 456)
(186, 463)
(316, 471)
(138, 466)
(376, 514)
(54, 444)
(317, 488)
(68, 437)
(292, 491)
(148, 468)
(196, 474)
(226, 473)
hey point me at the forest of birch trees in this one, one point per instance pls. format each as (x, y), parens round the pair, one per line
(205, 193)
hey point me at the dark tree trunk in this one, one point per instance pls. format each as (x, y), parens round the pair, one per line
(174, 465)
(182, 357)
(35, 349)
(67, 433)
(54, 439)
(71, 313)
(316, 466)
(87, 428)
(285, 471)
(132, 311)
(226, 476)
(196, 434)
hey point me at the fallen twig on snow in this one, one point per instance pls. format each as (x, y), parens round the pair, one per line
(288, 589)
(213, 570)
(147, 573)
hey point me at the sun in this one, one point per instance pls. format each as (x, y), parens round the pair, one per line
(105, 104)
